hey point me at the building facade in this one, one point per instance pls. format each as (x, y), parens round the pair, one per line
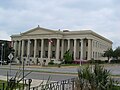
(42, 45)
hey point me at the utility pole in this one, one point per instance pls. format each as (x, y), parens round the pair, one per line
(23, 73)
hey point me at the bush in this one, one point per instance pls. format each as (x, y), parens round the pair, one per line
(68, 57)
(51, 62)
(97, 61)
(78, 61)
(115, 61)
(94, 78)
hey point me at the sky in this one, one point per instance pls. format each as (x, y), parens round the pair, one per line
(101, 16)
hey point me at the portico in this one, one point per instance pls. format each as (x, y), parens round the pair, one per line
(45, 45)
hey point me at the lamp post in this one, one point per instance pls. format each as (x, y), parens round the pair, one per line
(23, 72)
(2, 53)
(80, 62)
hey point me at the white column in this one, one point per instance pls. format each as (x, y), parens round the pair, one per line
(28, 49)
(81, 55)
(58, 49)
(49, 50)
(35, 47)
(89, 49)
(92, 51)
(19, 48)
(68, 44)
(15, 47)
(75, 49)
(62, 49)
(42, 47)
(22, 53)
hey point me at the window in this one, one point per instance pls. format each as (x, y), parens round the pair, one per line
(39, 53)
(93, 55)
(39, 44)
(86, 44)
(79, 54)
(53, 54)
(96, 44)
(60, 43)
(86, 55)
(46, 54)
(80, 44)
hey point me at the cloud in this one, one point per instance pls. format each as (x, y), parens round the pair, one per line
(102, 16)
(4, 35)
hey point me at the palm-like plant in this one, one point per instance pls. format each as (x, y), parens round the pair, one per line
(117, 53)
(96, 79)
(108, 53)
(15, 80)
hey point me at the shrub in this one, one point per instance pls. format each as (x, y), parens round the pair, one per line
(68, 57)
(78, 62)
(51, 62)
(97, 61)
(94, 78)
(115, 61)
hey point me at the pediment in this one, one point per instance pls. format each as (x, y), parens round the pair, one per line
(39, 30)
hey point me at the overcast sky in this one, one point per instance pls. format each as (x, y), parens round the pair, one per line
(101, 16)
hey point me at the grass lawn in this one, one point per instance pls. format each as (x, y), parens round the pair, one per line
(65, 65)
(1, 84)
(116, 88)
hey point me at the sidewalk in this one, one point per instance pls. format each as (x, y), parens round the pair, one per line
(34, 83)
(39, 66)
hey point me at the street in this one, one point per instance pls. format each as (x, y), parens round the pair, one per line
(39, 75)
(43, 73)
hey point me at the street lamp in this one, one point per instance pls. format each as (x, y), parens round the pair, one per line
(2, 53)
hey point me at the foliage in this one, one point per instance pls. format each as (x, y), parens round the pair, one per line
(108, 53)
(97, 61)
(116, 53)
(6, 86)
(67, 57)
(44, 85)
(51, 62)
(115, 61)
(6, 50)
(94, 78)
(14, 82)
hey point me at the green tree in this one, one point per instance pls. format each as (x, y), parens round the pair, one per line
(108, 53)
(116, 53)
(67, 57)
(6, 50)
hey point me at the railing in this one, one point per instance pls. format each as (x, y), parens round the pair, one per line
(68, 84)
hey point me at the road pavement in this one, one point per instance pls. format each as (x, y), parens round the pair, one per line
(114, 68)
(41, 73)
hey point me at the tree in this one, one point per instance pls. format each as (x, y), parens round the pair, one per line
(7, 49)
(116, 53)
(108, 53)
(67, 57)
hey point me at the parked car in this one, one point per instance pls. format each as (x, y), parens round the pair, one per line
(3, 62)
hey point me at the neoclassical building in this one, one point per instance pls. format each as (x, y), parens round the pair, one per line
(42, 45)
